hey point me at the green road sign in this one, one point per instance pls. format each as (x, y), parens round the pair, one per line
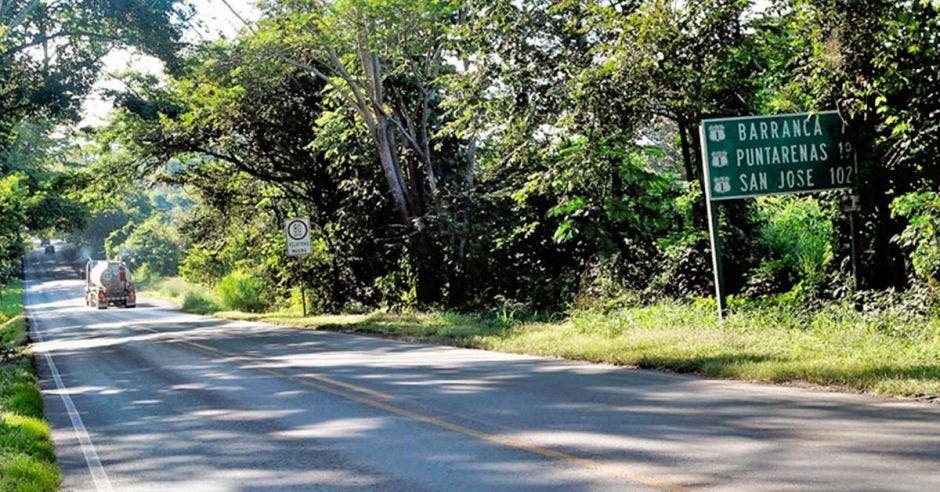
(751, 156)
(771, 155)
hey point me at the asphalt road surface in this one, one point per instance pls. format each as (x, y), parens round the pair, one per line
(150, 398)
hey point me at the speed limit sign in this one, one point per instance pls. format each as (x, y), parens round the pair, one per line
(298, 236)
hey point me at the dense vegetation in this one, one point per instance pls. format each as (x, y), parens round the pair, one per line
(50, 56)
(466, 154)
(470, 155)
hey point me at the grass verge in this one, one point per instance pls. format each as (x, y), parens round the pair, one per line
(887, 352)
(193, 298)
(27, 459)
(881, 353)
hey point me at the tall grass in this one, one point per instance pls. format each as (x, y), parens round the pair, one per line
(27, 459)
(193, 298)
(886, 350)
(874, 352)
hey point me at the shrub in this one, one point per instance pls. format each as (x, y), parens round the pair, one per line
(203, 266)
(799, 233)
(685, 269)
(921, 237)
(144, 276)
(172, 287)
(240, 291)
(198, 302)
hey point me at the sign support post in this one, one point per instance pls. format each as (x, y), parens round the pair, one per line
(713, 218)
(716, 259)
(303, 296)
(297, 232)
(851, 208)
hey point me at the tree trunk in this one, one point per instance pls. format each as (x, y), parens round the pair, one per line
(882, 262)
(690, 174)
(688, 144)
(429, 287)
(396, 183)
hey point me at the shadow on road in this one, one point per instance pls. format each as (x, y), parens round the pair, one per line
(164, 412)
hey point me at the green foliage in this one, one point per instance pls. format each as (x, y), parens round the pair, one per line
(193, 298)
(27, 474)
(241, 291)
(152, 243)
(878, 64)
(921, 237)
(799, 235)
(487, 153)
(13, 193)
(198, 302)
(204, 266)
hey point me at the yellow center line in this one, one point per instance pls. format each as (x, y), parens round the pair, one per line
(613, 469)
(243, 363)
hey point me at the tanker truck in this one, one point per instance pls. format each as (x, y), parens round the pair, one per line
(108, 283)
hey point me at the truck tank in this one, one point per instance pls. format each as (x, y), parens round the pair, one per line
(108, 283)
(109, 275)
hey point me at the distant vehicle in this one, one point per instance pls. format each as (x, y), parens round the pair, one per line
(108, 283)
(45, 242)
(50, 249)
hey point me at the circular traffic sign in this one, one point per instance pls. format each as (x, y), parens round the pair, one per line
(297, 229)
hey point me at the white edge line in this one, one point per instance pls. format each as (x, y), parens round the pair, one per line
(98, 475)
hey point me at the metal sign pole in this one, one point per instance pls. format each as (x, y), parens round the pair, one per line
(303, 295)
(712, 210)
(716, 259)
(297, 232)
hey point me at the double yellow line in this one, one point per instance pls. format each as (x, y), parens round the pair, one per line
(380, 400)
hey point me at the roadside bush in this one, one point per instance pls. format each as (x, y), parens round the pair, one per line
(241, 291)
(198, 302)
(685, 267)
(921, 237)
(144, 276)
(172, 287)
(203, 266)
(798, 232)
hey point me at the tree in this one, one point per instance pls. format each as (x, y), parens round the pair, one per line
(383, 60)
(50, 54)
(877, 62)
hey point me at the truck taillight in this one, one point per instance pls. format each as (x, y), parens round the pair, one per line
(131, 293)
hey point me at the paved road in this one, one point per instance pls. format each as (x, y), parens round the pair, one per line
(151, 398)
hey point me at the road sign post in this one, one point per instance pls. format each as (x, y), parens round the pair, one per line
(297, 233)
(850, 206)
(752, 156)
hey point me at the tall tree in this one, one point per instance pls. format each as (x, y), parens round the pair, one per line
(877, 61)
(383, 59)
